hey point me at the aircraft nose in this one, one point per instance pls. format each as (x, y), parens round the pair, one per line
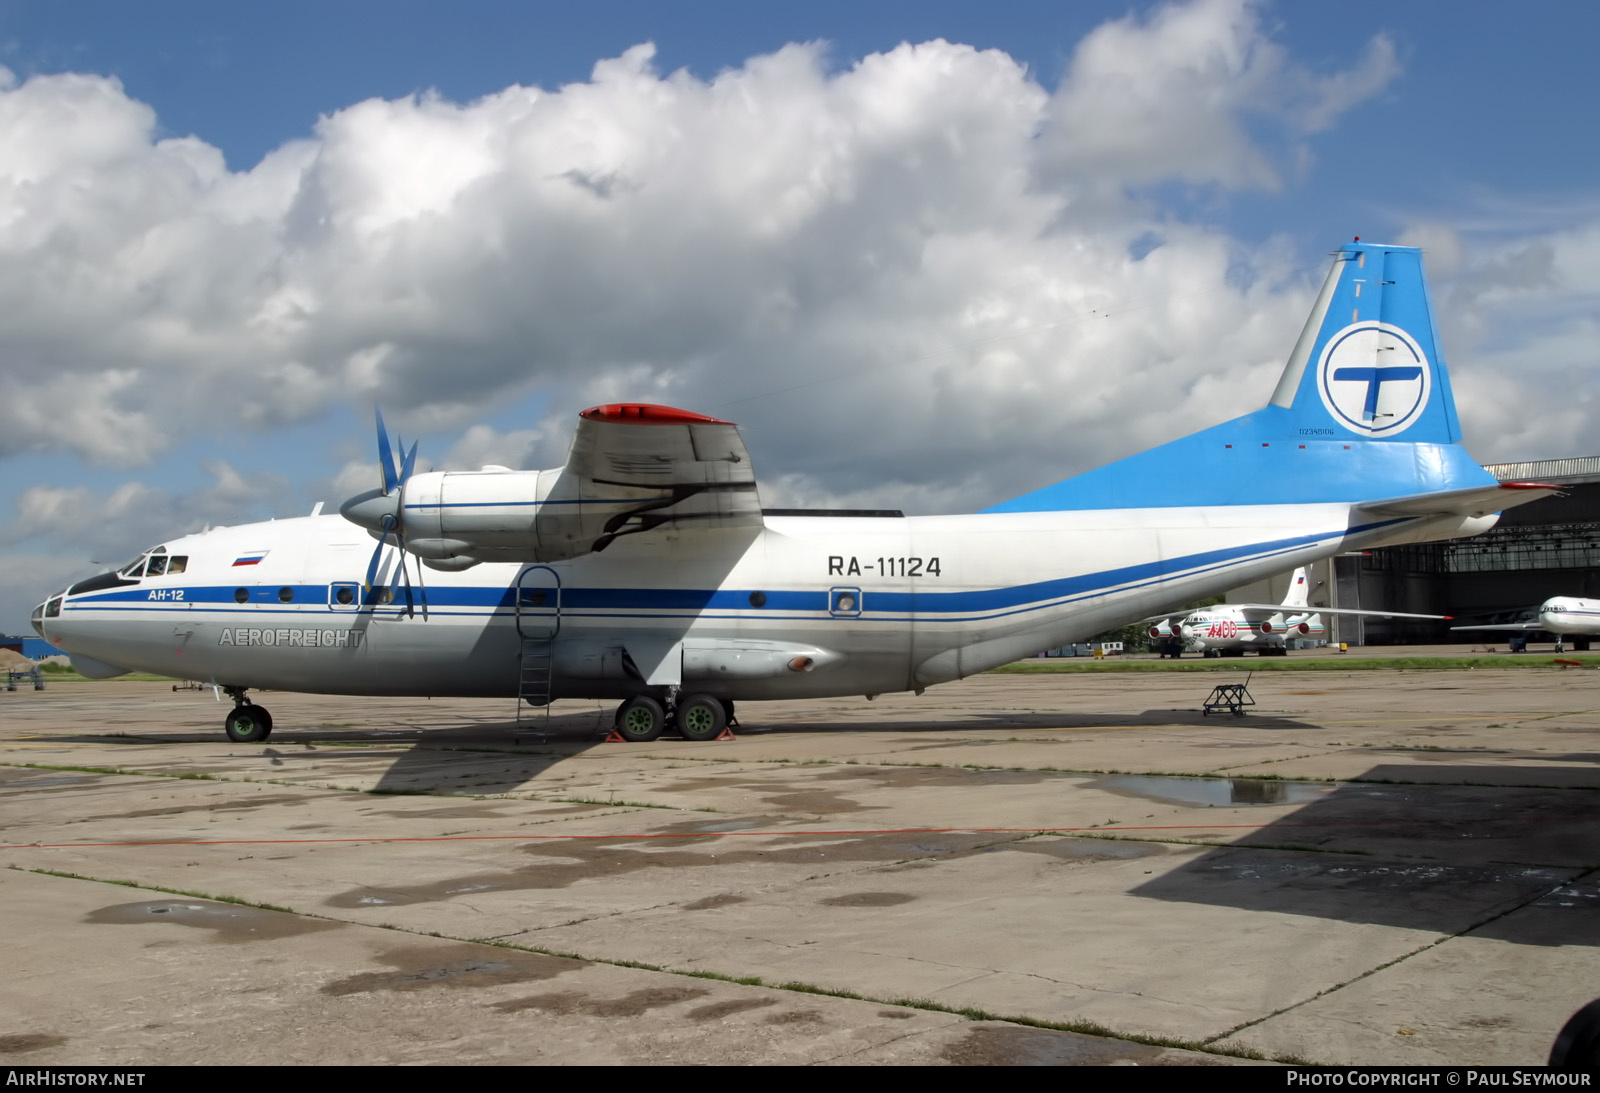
(370, 509)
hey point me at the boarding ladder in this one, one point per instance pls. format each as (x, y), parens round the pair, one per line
(535, 663)
(538, 616)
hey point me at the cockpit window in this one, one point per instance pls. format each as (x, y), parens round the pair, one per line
(38, 613)
(152, 563)
(53, 608)
(179, 563)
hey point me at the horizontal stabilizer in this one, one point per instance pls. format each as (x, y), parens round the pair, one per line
(1473, 501)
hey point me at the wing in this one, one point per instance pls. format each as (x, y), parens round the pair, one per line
(636, 468)
(1519, 626)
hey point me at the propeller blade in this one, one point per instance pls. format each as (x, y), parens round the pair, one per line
(411, 607)
(383, 540)
(422, 590)
(385, 457)
(409, 462)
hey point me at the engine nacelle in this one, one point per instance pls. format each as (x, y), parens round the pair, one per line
(1163, 629)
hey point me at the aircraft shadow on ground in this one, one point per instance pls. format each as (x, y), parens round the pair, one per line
(1461, 850)
(990, 722)
(477, 757)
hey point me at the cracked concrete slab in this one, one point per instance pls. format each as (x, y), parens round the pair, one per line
(1071, 850)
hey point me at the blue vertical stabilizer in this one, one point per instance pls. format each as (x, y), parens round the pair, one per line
(1363, 411)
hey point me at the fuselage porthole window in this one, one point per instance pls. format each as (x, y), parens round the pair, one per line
(240, 595)
(285, 594)
(345, 594)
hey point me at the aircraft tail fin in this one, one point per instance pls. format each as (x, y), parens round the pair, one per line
(1299, 594)
(1362, 411)
(1368, 363)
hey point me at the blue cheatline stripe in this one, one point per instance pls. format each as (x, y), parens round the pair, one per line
(882, 605)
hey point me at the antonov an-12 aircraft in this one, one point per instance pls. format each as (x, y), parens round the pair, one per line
(1561, 616)
(1230, 629)
(646, 571)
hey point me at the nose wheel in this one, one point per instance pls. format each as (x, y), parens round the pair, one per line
(246, 723)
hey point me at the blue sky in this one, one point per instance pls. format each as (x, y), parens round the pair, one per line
(1444, 124)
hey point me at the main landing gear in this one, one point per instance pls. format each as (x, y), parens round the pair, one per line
(246, 723)
(643, 718)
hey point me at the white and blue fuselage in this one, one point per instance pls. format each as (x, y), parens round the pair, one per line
(875, 604)
(645, 569)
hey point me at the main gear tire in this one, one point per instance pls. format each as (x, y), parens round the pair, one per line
(701, 717)
(641, 719)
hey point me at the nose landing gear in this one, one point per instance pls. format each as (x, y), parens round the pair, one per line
(246, 723)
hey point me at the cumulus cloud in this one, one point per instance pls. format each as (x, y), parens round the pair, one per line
(893, 226)
(1183, 94)
(106, 527)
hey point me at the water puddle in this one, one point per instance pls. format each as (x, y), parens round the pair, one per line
(1213, 791)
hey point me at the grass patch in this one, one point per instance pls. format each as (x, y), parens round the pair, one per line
(1077, 666)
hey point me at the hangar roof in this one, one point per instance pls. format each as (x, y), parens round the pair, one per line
(1572, 471)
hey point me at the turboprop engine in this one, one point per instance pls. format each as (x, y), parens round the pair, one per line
(1163, 629)
(455, 519)
(632, 467)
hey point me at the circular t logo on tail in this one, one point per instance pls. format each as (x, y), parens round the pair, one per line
(1374, 379)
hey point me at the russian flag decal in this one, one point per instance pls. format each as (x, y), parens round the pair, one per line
(252, 557)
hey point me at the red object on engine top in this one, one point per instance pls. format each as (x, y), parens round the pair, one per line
(646, 413)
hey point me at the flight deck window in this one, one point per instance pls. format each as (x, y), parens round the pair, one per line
(157, 565)
(53, 608)
(179, 563)
(134, 568)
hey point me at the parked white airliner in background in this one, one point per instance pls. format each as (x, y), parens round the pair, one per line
(1230, 629)
(646, 570)
(1561, 616)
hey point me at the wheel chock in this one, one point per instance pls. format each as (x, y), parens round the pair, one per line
(614, 738)
(726, 734)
